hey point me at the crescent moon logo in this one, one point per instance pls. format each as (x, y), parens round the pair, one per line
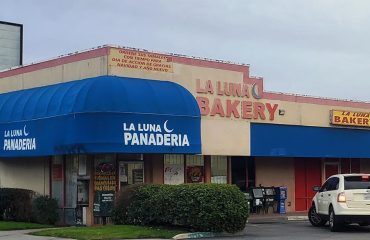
(24, 131)
(255, 92)
(165, 127)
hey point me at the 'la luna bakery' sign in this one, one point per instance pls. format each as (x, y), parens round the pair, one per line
(238, 100)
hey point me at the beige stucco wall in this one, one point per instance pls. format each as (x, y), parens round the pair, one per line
(62, 73)
(28, 173)
(308, 114)
(277, 172)
(230, 138)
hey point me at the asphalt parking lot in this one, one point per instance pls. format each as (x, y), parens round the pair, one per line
(301, 230)
(279, 230)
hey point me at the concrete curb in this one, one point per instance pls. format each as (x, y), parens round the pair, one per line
(208, 235)
(297, 218)
(276, 219)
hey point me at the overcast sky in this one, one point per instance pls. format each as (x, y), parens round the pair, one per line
(319, 48)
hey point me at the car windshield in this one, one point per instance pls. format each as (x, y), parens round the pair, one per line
(357, 182)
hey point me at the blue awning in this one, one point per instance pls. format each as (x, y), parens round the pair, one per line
(100, 115)
(304, 141)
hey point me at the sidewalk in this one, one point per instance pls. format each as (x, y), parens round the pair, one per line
(22, 235)
(275, 217)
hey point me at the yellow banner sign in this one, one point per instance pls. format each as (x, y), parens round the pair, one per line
(129, 59)
(347, 118)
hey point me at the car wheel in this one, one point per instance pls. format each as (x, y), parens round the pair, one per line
(314, 218)
(334, 224)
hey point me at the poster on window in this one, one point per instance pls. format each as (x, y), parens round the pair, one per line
(104, 186)
(103, 203)
(105, 175)
(194, 174)
(174, 174)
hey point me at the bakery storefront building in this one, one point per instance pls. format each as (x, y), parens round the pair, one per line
(82, 126)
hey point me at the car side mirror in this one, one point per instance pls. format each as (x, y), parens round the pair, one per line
(316, 188)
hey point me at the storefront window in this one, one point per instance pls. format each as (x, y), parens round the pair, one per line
(57, 179)
(173, 169)
(71, 170)
(71, 181)
(219, 169)
(130, 169)
(105, 172)
(83, 192)
(130, 173)
(83, 170)
(70, 185)
(83, 186)
(194, 169)
(243, 172)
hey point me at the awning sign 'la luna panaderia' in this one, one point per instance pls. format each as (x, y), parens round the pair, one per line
(152, 134)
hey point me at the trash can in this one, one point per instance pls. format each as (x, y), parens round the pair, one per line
(281, 196)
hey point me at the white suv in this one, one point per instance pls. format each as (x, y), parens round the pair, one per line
(343, 199)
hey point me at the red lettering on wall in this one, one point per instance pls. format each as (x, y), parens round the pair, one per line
(226, 106)
(219, 89)
(245, 92)
(217, 108)
(226, 89)
(271, 110)
(198, 87)
(247, 110)
(231, 108)
(209, 87)
(336, 119)
(237, 90)
(259, 110)
(203, 104)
